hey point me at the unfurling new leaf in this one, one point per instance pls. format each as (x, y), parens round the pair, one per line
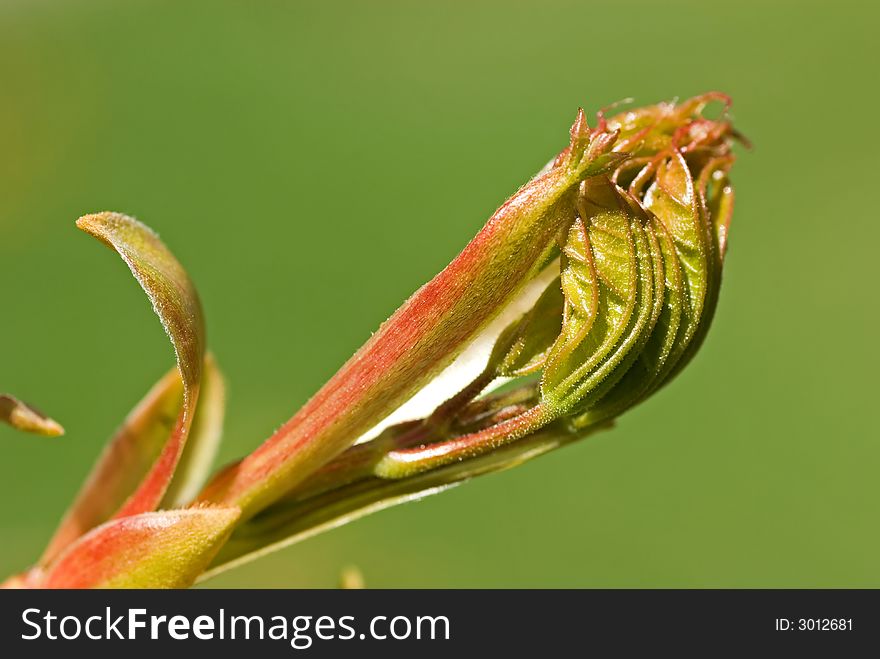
(585, 292)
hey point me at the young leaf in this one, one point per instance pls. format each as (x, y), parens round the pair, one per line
(22, 416)
(522, 348)
(717, 192)
(176, 302)
(611, 252)
(714, 210)
(651, 293)
(580, 287)
(673, 199)
(125, 461)
(167, 549)
(643, 374)
(652, 129)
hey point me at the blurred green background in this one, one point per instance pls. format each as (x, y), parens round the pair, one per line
(313, 163)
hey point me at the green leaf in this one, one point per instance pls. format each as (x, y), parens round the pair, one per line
(580, 287)
(523, 346)
(594, 386)
(645, 371)
(611, 251)
(673, 199)
(714, 210)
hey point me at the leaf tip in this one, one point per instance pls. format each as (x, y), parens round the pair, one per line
(580, 133)
(23, 417)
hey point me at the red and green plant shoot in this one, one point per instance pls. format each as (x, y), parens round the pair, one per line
(586, 291)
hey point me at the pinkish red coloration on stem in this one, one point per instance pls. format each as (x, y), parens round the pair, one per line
(395, 463)
(425, 334)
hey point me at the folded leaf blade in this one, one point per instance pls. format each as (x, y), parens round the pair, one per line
(177, 304)
(122, 465)
(611, 249)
